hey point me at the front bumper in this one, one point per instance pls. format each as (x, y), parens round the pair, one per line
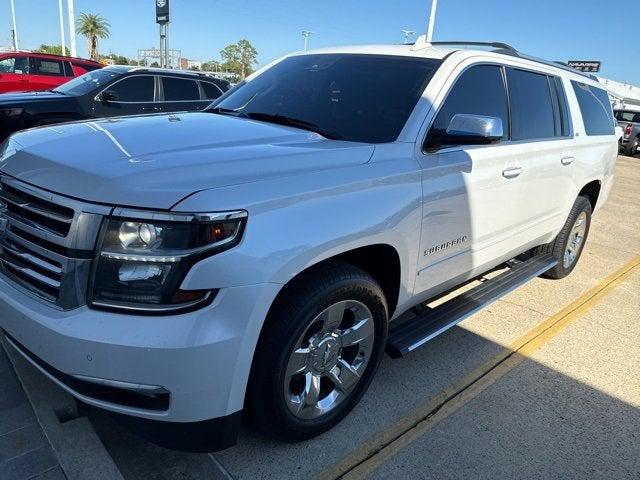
(202, 358)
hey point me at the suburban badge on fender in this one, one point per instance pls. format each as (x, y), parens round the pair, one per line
(446, 245)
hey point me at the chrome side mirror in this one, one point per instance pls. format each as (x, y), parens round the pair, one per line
(467, 129)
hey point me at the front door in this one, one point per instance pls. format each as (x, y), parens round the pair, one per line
(133, 95)
(472, 194)
(14, 74)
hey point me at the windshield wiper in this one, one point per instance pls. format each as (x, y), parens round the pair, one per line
(292, 122)
(227, 111)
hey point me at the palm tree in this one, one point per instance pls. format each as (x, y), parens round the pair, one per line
(92, 27)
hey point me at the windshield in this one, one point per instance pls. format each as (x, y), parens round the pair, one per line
(626, 116)
(360, 98)
(87, 83)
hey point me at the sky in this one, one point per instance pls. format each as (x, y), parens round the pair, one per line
(552, 29)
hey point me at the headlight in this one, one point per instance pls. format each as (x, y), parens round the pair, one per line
(144, 257)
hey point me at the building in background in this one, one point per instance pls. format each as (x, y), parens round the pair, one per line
(624, 95)
(186, 64)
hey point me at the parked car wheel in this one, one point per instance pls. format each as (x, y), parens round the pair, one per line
(632, 148)
(568, 245)
(319, 350)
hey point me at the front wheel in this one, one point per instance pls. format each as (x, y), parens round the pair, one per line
(319, 350)
(568, 245)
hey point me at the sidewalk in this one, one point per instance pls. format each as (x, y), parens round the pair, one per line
(25, 451)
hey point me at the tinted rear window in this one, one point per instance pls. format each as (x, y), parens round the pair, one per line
(623, 116)
(595, 107)
(211, 91)
(49, 67)
(176, 89)
(362, 98)
(532, 112)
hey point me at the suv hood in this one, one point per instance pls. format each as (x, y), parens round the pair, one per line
(20, 98)
(155, 161)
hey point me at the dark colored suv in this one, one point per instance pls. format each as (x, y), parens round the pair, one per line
(108, 92)
(28, 72)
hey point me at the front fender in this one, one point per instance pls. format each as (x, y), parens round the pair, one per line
(296, 222)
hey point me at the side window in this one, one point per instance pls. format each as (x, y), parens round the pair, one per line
(595, 107)
(532, 113)
(565, 118)
(211, 91)
(52, 68)
(68, 70)
(177, 89)
(139, 88)
(479, 91)
(17, 65)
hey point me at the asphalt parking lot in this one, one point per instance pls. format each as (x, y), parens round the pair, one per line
(542, 384)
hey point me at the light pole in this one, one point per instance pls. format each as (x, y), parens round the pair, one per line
(15, 29)
(432, 20)
(306, 34)
(64, 48)
(407, 34)
(72, 28)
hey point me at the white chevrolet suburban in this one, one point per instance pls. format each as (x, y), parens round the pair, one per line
(180, 269)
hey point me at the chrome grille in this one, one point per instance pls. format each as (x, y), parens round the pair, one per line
(47, 242)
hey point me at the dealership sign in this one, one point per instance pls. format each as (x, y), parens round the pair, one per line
(591, 66)
(162, 12)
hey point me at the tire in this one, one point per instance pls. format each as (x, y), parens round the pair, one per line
(559, 248)
(297, 337)
(632, 148)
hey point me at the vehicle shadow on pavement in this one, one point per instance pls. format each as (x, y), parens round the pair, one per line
(536, 421)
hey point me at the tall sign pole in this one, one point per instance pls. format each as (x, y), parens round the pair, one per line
(15, 29)
(162, 19)
(64, 46)
(432, 20)
(72, 28)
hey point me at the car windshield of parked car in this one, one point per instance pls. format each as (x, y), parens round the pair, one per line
(354, 97)
(87, 83)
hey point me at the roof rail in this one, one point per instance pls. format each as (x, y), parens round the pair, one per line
(455, 43)
(506, 49)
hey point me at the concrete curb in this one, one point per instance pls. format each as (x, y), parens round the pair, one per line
(80, 452)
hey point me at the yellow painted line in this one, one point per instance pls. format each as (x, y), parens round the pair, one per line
(374, 452)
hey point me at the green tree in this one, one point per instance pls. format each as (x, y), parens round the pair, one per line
(118, 59)
(52, 49)
(211, 66)
(92, 27)
(239, 58)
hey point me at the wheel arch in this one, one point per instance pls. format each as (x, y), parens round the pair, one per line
(592, 191)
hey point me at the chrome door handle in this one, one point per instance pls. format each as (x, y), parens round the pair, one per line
(567, 160)
(511, 172)
(150, 109)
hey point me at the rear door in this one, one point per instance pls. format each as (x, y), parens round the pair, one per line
(14, 73)
(133, 95)
(181, 94)
(541, 130)
(47, 73)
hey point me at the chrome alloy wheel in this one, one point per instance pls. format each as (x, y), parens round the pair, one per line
(576, 238)
(329, 359)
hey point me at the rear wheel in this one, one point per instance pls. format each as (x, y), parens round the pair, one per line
(568, 245)
(632, 148)
(321, 345)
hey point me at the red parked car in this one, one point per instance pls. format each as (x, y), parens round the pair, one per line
(27, 71)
